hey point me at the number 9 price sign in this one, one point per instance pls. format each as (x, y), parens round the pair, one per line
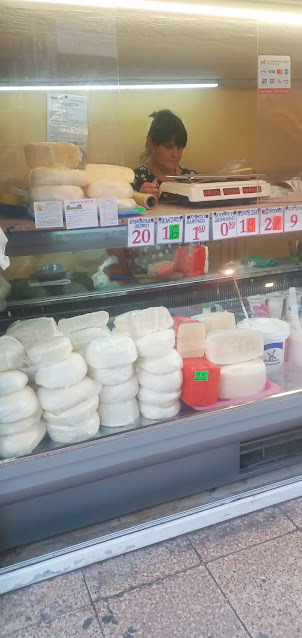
(224, 224)
(140, 231)
(292, 218)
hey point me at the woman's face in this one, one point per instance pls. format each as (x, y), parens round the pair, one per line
(166, 156)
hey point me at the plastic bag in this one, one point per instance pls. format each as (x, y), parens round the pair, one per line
(100, 280)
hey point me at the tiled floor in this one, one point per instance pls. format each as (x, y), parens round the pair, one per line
(238, 579)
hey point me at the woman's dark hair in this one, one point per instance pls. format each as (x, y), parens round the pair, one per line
(166, 127)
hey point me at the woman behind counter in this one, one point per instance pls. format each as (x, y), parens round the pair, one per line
(165, 143)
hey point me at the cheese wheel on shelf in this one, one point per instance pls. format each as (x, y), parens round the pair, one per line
(111, 351)
(55, 193)
(217, 321)
(101, 172)
(117, 189)
(97, 319)
(156, 398)
(32, 331)
(240, 380)
(12, 381)
(12, 353)
(74, 415)
(49, 154)
(121, 392)
(22, 443)
(162, 383)
(234, 346)
(19, 405)
(58, 176)
(63, 374)
(53, 350)
(114, 415)
(59, 400)
(14, 427)
(139, 323)
(156, 344)
(111, 376)
(153, 412)
(83, 431)
(127, 203)
(190, 337)
(169, 362)
(81, 338)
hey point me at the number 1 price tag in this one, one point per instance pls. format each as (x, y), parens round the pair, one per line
(247, 222)
(197, 227)
(170, 229)
(140, 231)
(292, 218)
(224, 224)
(271, 221)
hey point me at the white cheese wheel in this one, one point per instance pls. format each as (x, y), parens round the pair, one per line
(234, 346)
(156, 344)
(126, 204)
(190, 337)
(97, 319)
(52, 154)
(109, 188)
(19, 405)
(161, 383)
(120, 392)
(99, 172)
(155, 398)
(81, 338)
(83, 431)
(217, 321)
(240, 380)
(111, 376)
(22, 443)
(32, 331)
(11, 353)
(19, 426)
(63, 374)
(55, 193)
(74, 415)
(58, 400)
(111, 351)
(138, 323)
(154, 412)
(115, 415)
(58, 176)
(169, 362)
(12, 381)
(53, 350)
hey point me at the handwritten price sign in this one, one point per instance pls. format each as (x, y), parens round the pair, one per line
(197, 227)
(247, 222)
(292, 218)
(271, 221)
(224, 224)
(140, 231)
(170, 229)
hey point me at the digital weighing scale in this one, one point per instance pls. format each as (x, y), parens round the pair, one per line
(198, 189)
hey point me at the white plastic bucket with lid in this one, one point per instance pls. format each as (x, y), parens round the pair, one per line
(275, 333)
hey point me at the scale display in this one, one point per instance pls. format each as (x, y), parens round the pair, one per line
(193, 189)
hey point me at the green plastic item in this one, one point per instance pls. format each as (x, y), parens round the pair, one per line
(259, 262)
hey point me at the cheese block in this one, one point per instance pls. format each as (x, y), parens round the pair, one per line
(81, 338)
(19, 405)
(155, 398)
(97, 319)
(58, 176)
(234, 346)
(51, 154)
(111, 351)
(117, 189)
(83, 431)
(217, 321)
(190, 337)
(169, 362)
(74, 415)
(112, 376)
(126, 203)
(156, 344)
(12, 353)
(22, 443)
(59, 400)
(12, 381)
(14, 427)
(53, 350)
(142, 322)
(101, 172)
(120, 392)
(154, 412)
(161, 383)
(54, 193)
(31, 331)
(115, 415)
(242, 380)
(63, 374)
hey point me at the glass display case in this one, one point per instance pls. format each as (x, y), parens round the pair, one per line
(146, 353)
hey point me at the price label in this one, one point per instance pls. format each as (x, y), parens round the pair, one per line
(224, 224)
(140, 231)
(292, 218)
(247, 222)
(197, 227)
(170, 229)
(271, 221)
(81, 213)
(201, 375)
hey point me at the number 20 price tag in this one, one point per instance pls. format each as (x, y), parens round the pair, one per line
(224, 224)
(170, 229)
(140, 231)
(292, 218)
(271, 221)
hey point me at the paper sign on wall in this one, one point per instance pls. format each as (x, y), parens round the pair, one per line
(140, 231)
(81, 213)
(274, 74)
(67, 119)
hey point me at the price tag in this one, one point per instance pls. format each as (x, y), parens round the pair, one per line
(170, 229)
(81, 213)
(140, 231)
(224, 224)
(108, 211)
(201, 375)
(292, 218)
(247, 222)
(48, 214)
(197, 227)
(271, 220)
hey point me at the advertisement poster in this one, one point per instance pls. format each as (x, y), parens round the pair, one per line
(67, 119)
(274, 74)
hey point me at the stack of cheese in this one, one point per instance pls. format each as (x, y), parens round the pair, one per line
(106, 180)
(159, 367)
(21, 427)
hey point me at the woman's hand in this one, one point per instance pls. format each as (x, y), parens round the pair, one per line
(150, 188)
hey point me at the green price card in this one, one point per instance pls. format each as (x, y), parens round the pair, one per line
(174, 231)
(201, 375)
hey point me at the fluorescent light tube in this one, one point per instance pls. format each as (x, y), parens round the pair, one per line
(109, 87)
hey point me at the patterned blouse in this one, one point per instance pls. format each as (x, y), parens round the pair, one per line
(143, 174)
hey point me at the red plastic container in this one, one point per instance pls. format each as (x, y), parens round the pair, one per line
(200, 382)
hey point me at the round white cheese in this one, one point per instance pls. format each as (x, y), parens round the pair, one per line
(64, 374)
(241, 380)
(118, 189)
(97, 319)
(169, 362)
(58, 176)
(155, 412)
(121, 392)
(52, 154)
(31, 331)
(111, 376)
(58, 400)
(53, 350)
(54, 193)
(156, 344)
(155, 398)
(111, 351)
(101, 172)
(19, 405)
(19, 426)
(12, 381)
(162, 383)
(118, 414)
(74, 415)
(141, 322)
(22, 443)
(11, 353)
(83, 431)
(127, 203)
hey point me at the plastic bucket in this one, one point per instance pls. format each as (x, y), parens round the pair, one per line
(275, 333)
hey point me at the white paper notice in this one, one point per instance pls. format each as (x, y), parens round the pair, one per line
(140, 231)
(4, 259)
(292, 218)
(67, 119)
(170, 229)
(197, 227)
(271, 221)
(224, 224)
(274, 73)
(108, 211)
(81, 213)
(48, 214)
(247, 222)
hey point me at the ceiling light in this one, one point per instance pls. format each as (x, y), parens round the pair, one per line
(109, 87)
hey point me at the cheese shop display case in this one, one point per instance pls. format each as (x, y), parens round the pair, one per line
(151, 342)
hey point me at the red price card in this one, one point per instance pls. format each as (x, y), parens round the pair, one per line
(292, 218)
(224, 224)
(247, 222)
(140, 231)
(271, 221)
